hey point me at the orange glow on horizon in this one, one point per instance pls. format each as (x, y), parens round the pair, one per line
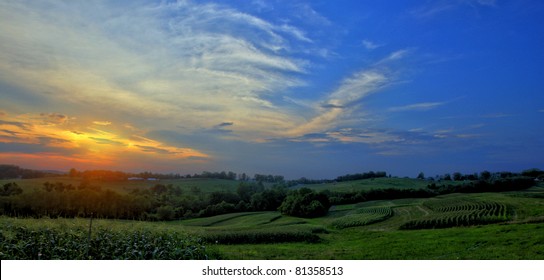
(60, 141)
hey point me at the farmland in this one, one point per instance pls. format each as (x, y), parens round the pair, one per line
(498, 225)
(203, 185)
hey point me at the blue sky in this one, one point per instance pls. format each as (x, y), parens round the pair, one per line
(300, 88)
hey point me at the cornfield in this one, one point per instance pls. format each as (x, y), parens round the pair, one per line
(19, 242)
(362, 217)
(457, 212)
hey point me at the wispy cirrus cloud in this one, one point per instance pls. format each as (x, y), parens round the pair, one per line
(369, 45)
(307, 13)
(431, 10)
(338, 108)
(391, 142)
(341, 102)
(435, 8)
(198, 62)
(105, 141)
(102, 123)
(417, 107)
(151, 149)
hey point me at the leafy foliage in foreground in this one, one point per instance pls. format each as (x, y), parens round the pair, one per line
(19, 242)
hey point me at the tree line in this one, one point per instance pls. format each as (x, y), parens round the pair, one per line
(168, 202)
(12, 171)
(107, 175)
(514, 183)
(16, 172)
(160, 202)
(484, 175)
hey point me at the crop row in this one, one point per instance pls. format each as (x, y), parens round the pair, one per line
(385, 211)
(466, 205)
(18, 242)
(451, 213)
(362, 217)
(447, 221)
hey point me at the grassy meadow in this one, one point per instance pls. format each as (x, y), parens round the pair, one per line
(374, 183)
(205, 185)
(505, 225)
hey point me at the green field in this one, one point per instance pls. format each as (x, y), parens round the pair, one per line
(375, 183)
(506, 225)
(203, 184)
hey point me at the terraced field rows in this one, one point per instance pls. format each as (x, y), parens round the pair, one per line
(253, 228)
(362, 216)
(460, 212)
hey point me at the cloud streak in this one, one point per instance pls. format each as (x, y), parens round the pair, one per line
(193, 62)
(339, 105)
(369, 45)
(425, 106)
(435, 8)
(102, 123)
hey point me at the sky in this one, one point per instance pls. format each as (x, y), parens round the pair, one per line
(312, 89)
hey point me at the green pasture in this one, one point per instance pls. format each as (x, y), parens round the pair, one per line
(513, 229)
(496, 242)
(189, 185)
(376, 183)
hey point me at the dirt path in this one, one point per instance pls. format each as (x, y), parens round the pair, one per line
(423, 210)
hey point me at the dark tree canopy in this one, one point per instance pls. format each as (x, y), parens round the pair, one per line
(306, 203)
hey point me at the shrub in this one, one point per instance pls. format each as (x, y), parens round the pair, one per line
(305, 203)
(166, 213)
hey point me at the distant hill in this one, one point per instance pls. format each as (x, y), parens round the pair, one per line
(53, 172)
(8, 171)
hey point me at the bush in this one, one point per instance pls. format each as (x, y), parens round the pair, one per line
(305, 203)
(217, 209)
(166, 213)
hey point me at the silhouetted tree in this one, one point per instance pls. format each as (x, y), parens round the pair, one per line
(73, 173)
